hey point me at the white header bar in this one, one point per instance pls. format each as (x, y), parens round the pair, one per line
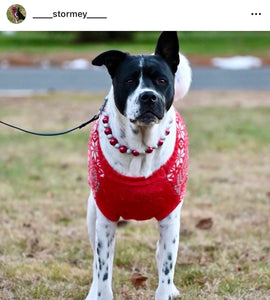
(119, 15)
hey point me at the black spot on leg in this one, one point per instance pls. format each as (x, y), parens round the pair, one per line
(169, 256)
(99, 262)
(170, 298)
(99, 294)
(112, 238)
(169, 281)
(108, 254)
(171, 265)
(105, 277)
(110, 241)
(174, 241)
(166, 270)
(99, 245)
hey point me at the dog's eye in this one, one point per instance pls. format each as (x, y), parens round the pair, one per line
(161, 81)
(129, 81)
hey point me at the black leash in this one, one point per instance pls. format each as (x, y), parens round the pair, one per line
(95, 117)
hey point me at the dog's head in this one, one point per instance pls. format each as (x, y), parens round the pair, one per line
(143, 85)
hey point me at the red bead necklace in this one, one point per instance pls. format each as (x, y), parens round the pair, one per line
(124, 149)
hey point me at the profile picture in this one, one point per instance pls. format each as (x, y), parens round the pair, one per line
(16, 13)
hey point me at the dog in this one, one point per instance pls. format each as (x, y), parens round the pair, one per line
(137, 158)
(17, 13)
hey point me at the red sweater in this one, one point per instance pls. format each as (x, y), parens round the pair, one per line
(139, 198)
(14, 11)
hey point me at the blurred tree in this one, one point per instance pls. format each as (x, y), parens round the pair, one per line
(101, 36)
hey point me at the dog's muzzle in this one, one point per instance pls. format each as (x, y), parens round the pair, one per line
(152, 108)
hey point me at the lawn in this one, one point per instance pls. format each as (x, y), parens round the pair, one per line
(224, 248)
(191, 42)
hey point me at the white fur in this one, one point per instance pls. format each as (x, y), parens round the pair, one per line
(101, 230)
(183, 77)
(102, 236)
(147, 136)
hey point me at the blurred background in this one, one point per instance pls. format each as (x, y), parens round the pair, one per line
(31, 53)
(195, 44)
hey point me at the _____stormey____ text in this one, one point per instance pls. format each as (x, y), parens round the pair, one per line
(70, 14)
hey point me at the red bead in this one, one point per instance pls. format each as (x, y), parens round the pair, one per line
(167, 131)
(123, 149)
(149, 150)
(160, 142)
(107, 130)
(105, 119)
(113, 141)
(135, 152)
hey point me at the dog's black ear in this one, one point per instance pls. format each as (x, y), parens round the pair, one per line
(111, 59)
(168, 48)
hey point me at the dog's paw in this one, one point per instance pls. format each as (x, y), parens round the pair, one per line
(93, 293)
(175, 292)
(90, 297)
(169, 294)
(104, 294)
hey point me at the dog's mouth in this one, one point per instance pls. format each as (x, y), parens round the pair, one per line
(147, 118)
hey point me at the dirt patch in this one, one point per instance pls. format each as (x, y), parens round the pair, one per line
(58, 59)
(41, 60)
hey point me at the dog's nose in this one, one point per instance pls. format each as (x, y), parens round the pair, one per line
(148, 96)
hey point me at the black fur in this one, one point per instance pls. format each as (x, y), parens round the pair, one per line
(157, 73)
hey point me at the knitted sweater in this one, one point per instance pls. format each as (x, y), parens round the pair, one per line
(139, 198)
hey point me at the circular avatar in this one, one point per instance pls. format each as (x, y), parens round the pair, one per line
(16, 13)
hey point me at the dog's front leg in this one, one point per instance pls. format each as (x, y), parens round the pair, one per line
(166, 255)
(103, 247)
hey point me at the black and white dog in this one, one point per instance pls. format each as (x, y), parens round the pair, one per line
(138, 154)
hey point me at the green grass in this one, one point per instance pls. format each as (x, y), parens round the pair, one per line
(226, 43)
(194, 42)
(237, 129)
(44, 249)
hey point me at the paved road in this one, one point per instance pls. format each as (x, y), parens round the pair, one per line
(210, 78)
(98, 80)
